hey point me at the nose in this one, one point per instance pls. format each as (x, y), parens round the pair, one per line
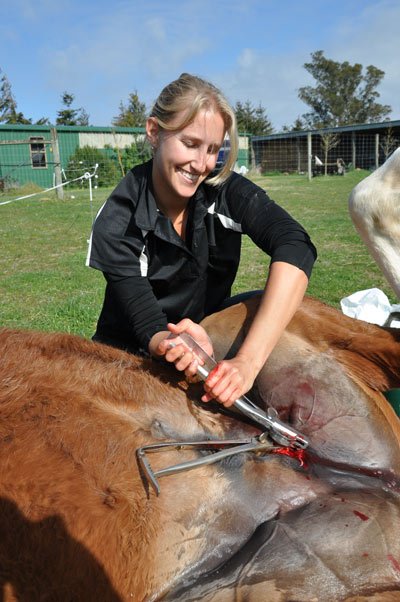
(201, 159)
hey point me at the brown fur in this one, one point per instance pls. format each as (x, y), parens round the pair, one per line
(77, 521)
(72, 415)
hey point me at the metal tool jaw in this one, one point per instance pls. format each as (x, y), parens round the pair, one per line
(276, 431)
(226, 447)
(282, 433)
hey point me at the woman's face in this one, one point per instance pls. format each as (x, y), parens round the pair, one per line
(184, 158)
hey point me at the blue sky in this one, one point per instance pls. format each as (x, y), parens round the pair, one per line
(255, 49)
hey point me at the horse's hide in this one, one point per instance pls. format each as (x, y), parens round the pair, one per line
(78, 522)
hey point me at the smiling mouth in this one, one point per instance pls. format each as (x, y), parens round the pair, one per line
(188, 176)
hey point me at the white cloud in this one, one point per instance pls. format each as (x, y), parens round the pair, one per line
(370, 38)
(373, 39)
(253, 50)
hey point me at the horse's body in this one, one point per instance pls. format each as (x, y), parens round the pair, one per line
(374, 206)
(78, 523)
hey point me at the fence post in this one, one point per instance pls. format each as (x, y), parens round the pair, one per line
(353, 149)
(309, 156)
(376, 151)
(57, 163)
(298, 152)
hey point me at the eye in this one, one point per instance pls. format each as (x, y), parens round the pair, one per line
(189, 143)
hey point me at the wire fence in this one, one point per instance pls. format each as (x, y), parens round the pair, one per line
(327, 152)
(46, 157)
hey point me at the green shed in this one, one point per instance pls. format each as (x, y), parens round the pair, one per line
(40, 153)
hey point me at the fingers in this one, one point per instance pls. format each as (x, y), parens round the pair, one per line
(178, 354)
(225, 384)
(195, 330)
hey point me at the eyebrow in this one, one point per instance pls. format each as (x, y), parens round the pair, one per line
(194, 138)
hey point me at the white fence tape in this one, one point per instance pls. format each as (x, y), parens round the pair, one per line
(85, 176)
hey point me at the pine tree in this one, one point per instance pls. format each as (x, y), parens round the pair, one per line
(132, 115)
(70, 116)
(252, 120)
(8, 105)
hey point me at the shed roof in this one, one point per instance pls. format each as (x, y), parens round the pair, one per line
(69, 128)
(377, 127)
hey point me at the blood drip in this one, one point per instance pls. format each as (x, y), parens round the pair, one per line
(394, 561)
(298, 454)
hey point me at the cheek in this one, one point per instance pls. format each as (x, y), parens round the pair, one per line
(211, 162)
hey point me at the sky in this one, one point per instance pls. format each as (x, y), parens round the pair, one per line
(252, 50)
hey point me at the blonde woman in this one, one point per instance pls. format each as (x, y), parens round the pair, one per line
(168, 242)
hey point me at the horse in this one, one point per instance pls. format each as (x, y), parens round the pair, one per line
(374, 206)
(79, 521)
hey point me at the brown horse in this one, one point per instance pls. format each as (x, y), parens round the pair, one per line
(78, 521)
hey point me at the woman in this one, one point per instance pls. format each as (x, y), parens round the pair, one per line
(168, 242)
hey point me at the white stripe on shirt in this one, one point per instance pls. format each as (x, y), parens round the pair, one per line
(227, 222)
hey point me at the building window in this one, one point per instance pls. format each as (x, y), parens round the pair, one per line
(38, 152)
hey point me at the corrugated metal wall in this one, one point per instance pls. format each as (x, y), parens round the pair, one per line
(16, 159)
(17, 168)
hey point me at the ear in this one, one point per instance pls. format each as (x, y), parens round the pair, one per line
(152, 131)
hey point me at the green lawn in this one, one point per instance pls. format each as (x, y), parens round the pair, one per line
(45, 284)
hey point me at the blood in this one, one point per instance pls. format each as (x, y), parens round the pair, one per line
(298, 454)
(360, 515)
(395, 563)
(215, 371)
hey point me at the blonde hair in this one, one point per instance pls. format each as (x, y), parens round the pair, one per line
(192, 94)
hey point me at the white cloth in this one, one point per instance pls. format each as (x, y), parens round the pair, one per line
(370, 305)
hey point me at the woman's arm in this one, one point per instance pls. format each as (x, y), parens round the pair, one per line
(282, 296)
(232, 378)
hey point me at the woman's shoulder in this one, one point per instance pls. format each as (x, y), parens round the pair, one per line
(238, 186)
(133, 184)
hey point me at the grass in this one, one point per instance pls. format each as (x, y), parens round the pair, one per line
(43, 244)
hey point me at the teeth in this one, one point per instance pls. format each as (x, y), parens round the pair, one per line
(191, 176)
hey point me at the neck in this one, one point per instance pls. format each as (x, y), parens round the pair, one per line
(177, 214)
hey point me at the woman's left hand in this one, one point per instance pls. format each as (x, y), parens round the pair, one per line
(228, 381)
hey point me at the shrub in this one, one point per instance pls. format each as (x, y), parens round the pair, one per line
(85, 158)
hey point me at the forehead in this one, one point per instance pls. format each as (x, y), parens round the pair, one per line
(208, 124)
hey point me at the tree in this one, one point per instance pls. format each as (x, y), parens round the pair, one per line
(298, 126)
(70, 116)
(85, 158)
(329, 141)
(343, 94)
(8, 104)
(132, 115)
(138, 152)
(252, 120)
(389, 143)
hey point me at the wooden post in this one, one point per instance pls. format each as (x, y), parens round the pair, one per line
(309, 156)
(298, 152)
(252, 156)
(57, 163)
(353, 149)
(376, 151)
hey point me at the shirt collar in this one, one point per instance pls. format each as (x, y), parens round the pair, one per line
(147, 213)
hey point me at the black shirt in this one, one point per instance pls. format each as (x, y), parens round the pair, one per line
(154, 277)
